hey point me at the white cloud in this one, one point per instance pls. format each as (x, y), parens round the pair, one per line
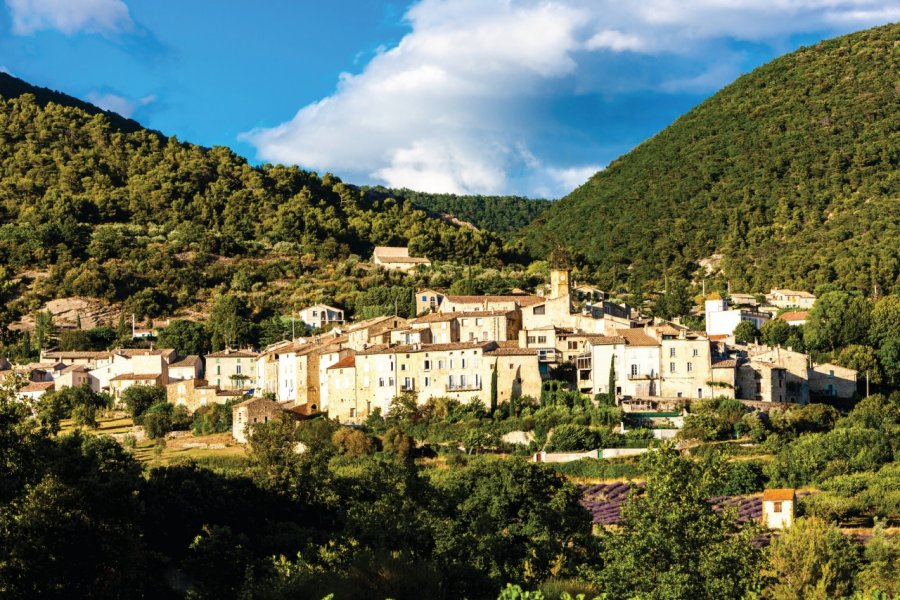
(69, 16)
(462, 103)
(615, 41)
(118, 104)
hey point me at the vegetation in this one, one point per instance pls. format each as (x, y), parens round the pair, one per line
(100, 208)
(789, 173)
(500, 214)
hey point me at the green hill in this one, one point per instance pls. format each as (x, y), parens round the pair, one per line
(94, 205)
(790, 174)
(500, 214)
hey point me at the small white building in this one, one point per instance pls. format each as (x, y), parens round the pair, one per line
(321, 315)
(778, 508)
(722, 321)
(788, 298)
(397, 258)
(795, 317)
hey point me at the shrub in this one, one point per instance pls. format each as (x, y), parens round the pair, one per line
(572, 437)
(213, 418)
(352, 442)
(396, 441)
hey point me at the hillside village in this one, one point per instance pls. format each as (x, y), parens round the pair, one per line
(493, 349)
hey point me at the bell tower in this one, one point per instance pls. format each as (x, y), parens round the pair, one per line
(560, 272)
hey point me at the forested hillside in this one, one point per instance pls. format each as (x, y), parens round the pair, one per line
(790, 173)
(500, 214)
(96, 207)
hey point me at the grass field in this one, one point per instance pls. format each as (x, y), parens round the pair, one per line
(217, 452)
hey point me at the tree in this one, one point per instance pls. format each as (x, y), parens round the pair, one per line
(572, 437)
(775, 332)
(864, 360)
(396, 441)
(746, 332)
(494, 389)
(75, 339)
(675, 302)
(611, 383)
(229, 323)
(507, 521)
(885, 320)
(672, 544)
(186, 337)
(882, 564)
(837, 319)
(812, 559)
(139, 398)
(43, 327)
(352, 442)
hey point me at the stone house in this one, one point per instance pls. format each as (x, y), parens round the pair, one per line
(248, 413)
(428, 301)
(232, 369)
(397, 258)
(832, 380)
(189, 367)
(320, 316)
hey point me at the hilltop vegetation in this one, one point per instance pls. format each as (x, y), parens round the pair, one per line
(790, 173)
(90, 207)
(500, 214)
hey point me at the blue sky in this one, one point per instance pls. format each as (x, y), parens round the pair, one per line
(465, 96)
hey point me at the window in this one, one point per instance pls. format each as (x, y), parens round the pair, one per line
(451, 382)
(671, 352)
(531, 339)
(776, 507)
(696, 352)
(831, 373)
(484, 335)
(671, 367)
(573, 345)
(699, 392)
(690, 367)
(463, 322)
(424, 298)
(381, 382)
(479, 321)
(451, 363)
(540, 310)
(426, 365)
(462, 381)
(218, 369)
(427, 381)
(463, 363)
(471, 336)
(237, 370)
(440, 364)
(679, 394)
(542, 339)
(634, 369)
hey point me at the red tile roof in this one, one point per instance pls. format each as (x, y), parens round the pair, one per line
(800, 315)
(781, 494)
(345, 363)
(636, 337)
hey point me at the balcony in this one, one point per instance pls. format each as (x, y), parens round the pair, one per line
(468, 387)
(642, 376)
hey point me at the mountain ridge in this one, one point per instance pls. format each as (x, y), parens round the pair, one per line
(790, 172)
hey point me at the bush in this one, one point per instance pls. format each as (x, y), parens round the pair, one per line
(594, 468)
(572, 437)
(213, 418)
(352, 442)
(139, 398)
(829, 507)
(743, 477)
(396, 441)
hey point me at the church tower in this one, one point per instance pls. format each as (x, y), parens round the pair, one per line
(560, 272)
